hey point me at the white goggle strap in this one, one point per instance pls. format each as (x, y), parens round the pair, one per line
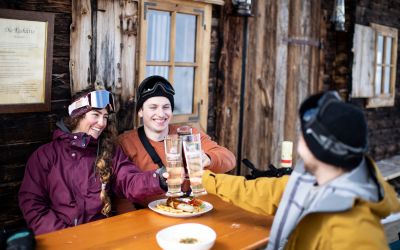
(78, 104)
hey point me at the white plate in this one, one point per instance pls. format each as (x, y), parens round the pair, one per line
(153, 206)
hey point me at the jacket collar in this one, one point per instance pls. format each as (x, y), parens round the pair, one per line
(81, 139)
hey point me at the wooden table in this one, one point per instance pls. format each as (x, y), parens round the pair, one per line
(235, 228)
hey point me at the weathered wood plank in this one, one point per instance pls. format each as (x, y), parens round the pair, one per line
(10, 214)
(81, 39)
(363, 63)
(127, 66)
(259, 90)
(61, 45)
(127, 21)
(228, 84)
(58, 6)
(105, 39)
(17, 154)
(13, 172)
(280, 84)
(62, 23)
(302, 65)
(22, 128)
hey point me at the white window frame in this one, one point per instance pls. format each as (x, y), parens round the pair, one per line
(365, 64)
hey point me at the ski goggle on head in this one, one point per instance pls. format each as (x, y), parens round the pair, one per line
(150, 89)
(311, 114)
(98, 99)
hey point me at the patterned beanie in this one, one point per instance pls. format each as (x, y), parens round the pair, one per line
(154, 86)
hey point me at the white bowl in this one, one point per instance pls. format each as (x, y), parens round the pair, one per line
(169, 238)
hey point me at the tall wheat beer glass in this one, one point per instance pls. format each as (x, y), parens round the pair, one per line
(193, 153)
(173, 153)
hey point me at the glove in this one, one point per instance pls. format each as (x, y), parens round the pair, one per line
(271, 172)
(21, 240)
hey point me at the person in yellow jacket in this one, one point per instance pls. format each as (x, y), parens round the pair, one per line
(334, 198)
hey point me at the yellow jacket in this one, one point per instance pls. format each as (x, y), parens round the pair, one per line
(358, 227)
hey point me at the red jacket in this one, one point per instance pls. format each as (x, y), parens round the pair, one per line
(60, 188)
(222, 160)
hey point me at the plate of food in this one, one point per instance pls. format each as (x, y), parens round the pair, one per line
(180, 207)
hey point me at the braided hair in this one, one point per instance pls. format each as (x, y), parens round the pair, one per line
(105, 152)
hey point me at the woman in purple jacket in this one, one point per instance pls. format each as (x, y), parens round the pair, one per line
(68, 181)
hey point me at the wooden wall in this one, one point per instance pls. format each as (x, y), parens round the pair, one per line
(21, 134)
(282, 68)
(280, 72)
(383, 123)
(279, 75)
(103, 51)
(87, 49)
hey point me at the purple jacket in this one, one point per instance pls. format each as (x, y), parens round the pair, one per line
(60, 188)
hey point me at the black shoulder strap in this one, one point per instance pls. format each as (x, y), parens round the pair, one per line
(152, 152)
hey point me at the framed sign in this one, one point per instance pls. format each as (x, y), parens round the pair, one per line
(26, 57)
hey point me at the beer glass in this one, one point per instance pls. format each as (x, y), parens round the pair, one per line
(193, 155)
(173, 153)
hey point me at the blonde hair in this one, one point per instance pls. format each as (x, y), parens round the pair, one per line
(104, 163)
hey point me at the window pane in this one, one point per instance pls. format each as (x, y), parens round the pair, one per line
(379, 49)
(185, 37)
(158, 30)
(378, 80)
(388, 50)
(183, 84)
(386, 85)
(157, 70)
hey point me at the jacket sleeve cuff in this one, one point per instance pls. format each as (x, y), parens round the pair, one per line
(208, 181)
(213, 162)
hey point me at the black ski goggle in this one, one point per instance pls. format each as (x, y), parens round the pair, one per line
(313, 126)
(149, 90)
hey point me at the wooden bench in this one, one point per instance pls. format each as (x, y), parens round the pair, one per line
(390, 169)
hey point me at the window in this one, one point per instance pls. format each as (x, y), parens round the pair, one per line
(175, 43)
(374, 68)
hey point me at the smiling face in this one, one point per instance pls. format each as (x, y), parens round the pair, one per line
(93, 123)
(156, 113)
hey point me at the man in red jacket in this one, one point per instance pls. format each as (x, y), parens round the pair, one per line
(155, 104)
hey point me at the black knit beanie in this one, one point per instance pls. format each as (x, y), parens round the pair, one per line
(334, 131)
(154, 86)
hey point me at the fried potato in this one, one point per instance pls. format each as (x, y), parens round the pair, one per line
(178, 206)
